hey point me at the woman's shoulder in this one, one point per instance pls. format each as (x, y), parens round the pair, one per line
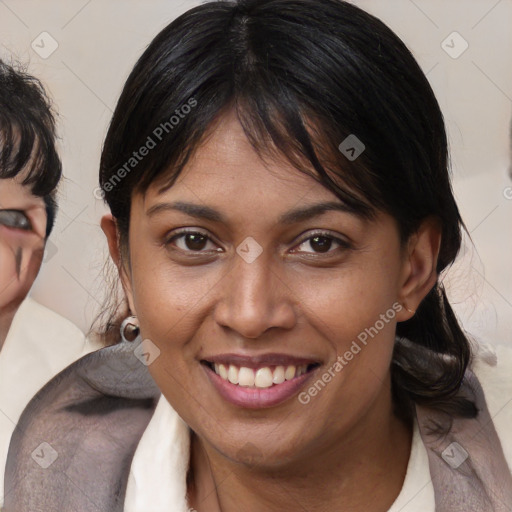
(492, 364)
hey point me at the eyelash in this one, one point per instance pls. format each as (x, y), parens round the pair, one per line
(343, 244)
(182, 234)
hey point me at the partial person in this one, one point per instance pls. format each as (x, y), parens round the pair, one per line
(35, 342)
(281, 218)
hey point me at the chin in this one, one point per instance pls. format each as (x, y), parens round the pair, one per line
(259, 453)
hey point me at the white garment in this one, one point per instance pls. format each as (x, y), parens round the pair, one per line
(157, 481)
(40, 344)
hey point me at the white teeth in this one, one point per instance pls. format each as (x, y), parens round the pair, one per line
(278, 375)
(289, 374)
(246, 377)
(260, 378)
(233, 374)
(223, 371)
(263, 378)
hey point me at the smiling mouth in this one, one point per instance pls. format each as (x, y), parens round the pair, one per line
(259, 378)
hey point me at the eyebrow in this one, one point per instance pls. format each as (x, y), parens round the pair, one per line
(292, 217)
(194, 210)
(308, 212)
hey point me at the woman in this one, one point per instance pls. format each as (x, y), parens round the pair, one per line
(281, 211)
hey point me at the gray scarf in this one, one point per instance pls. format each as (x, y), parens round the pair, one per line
(73, 447)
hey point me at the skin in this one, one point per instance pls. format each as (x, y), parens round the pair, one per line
(293, 299)
(21, 250)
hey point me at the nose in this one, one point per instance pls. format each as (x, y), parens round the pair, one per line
(254, 298)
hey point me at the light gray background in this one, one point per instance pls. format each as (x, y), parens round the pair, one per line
(100, 40)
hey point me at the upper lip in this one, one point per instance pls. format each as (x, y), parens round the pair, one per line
(261, 360)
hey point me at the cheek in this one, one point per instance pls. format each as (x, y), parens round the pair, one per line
(166, 297)
(20, 258)
(171, 307)
(352, 309)
(344, 302)
(8, 278)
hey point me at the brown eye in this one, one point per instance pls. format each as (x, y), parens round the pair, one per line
(15, 219)
(321, 243)
(192, 241)
(195, 241)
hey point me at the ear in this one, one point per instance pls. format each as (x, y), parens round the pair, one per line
(419, 272)
(109, 227)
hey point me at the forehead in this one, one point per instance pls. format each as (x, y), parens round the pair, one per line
(15, 195)
(226, 166)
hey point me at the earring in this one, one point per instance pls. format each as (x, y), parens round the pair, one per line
(129, 329)
(410, 310)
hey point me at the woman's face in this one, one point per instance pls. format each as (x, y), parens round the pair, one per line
(22, 238)
(238, 265)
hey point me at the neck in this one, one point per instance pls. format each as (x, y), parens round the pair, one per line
(362, 472)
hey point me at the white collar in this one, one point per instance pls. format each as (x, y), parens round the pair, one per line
(159, 468)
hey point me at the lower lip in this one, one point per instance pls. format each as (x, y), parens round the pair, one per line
(257, 398)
